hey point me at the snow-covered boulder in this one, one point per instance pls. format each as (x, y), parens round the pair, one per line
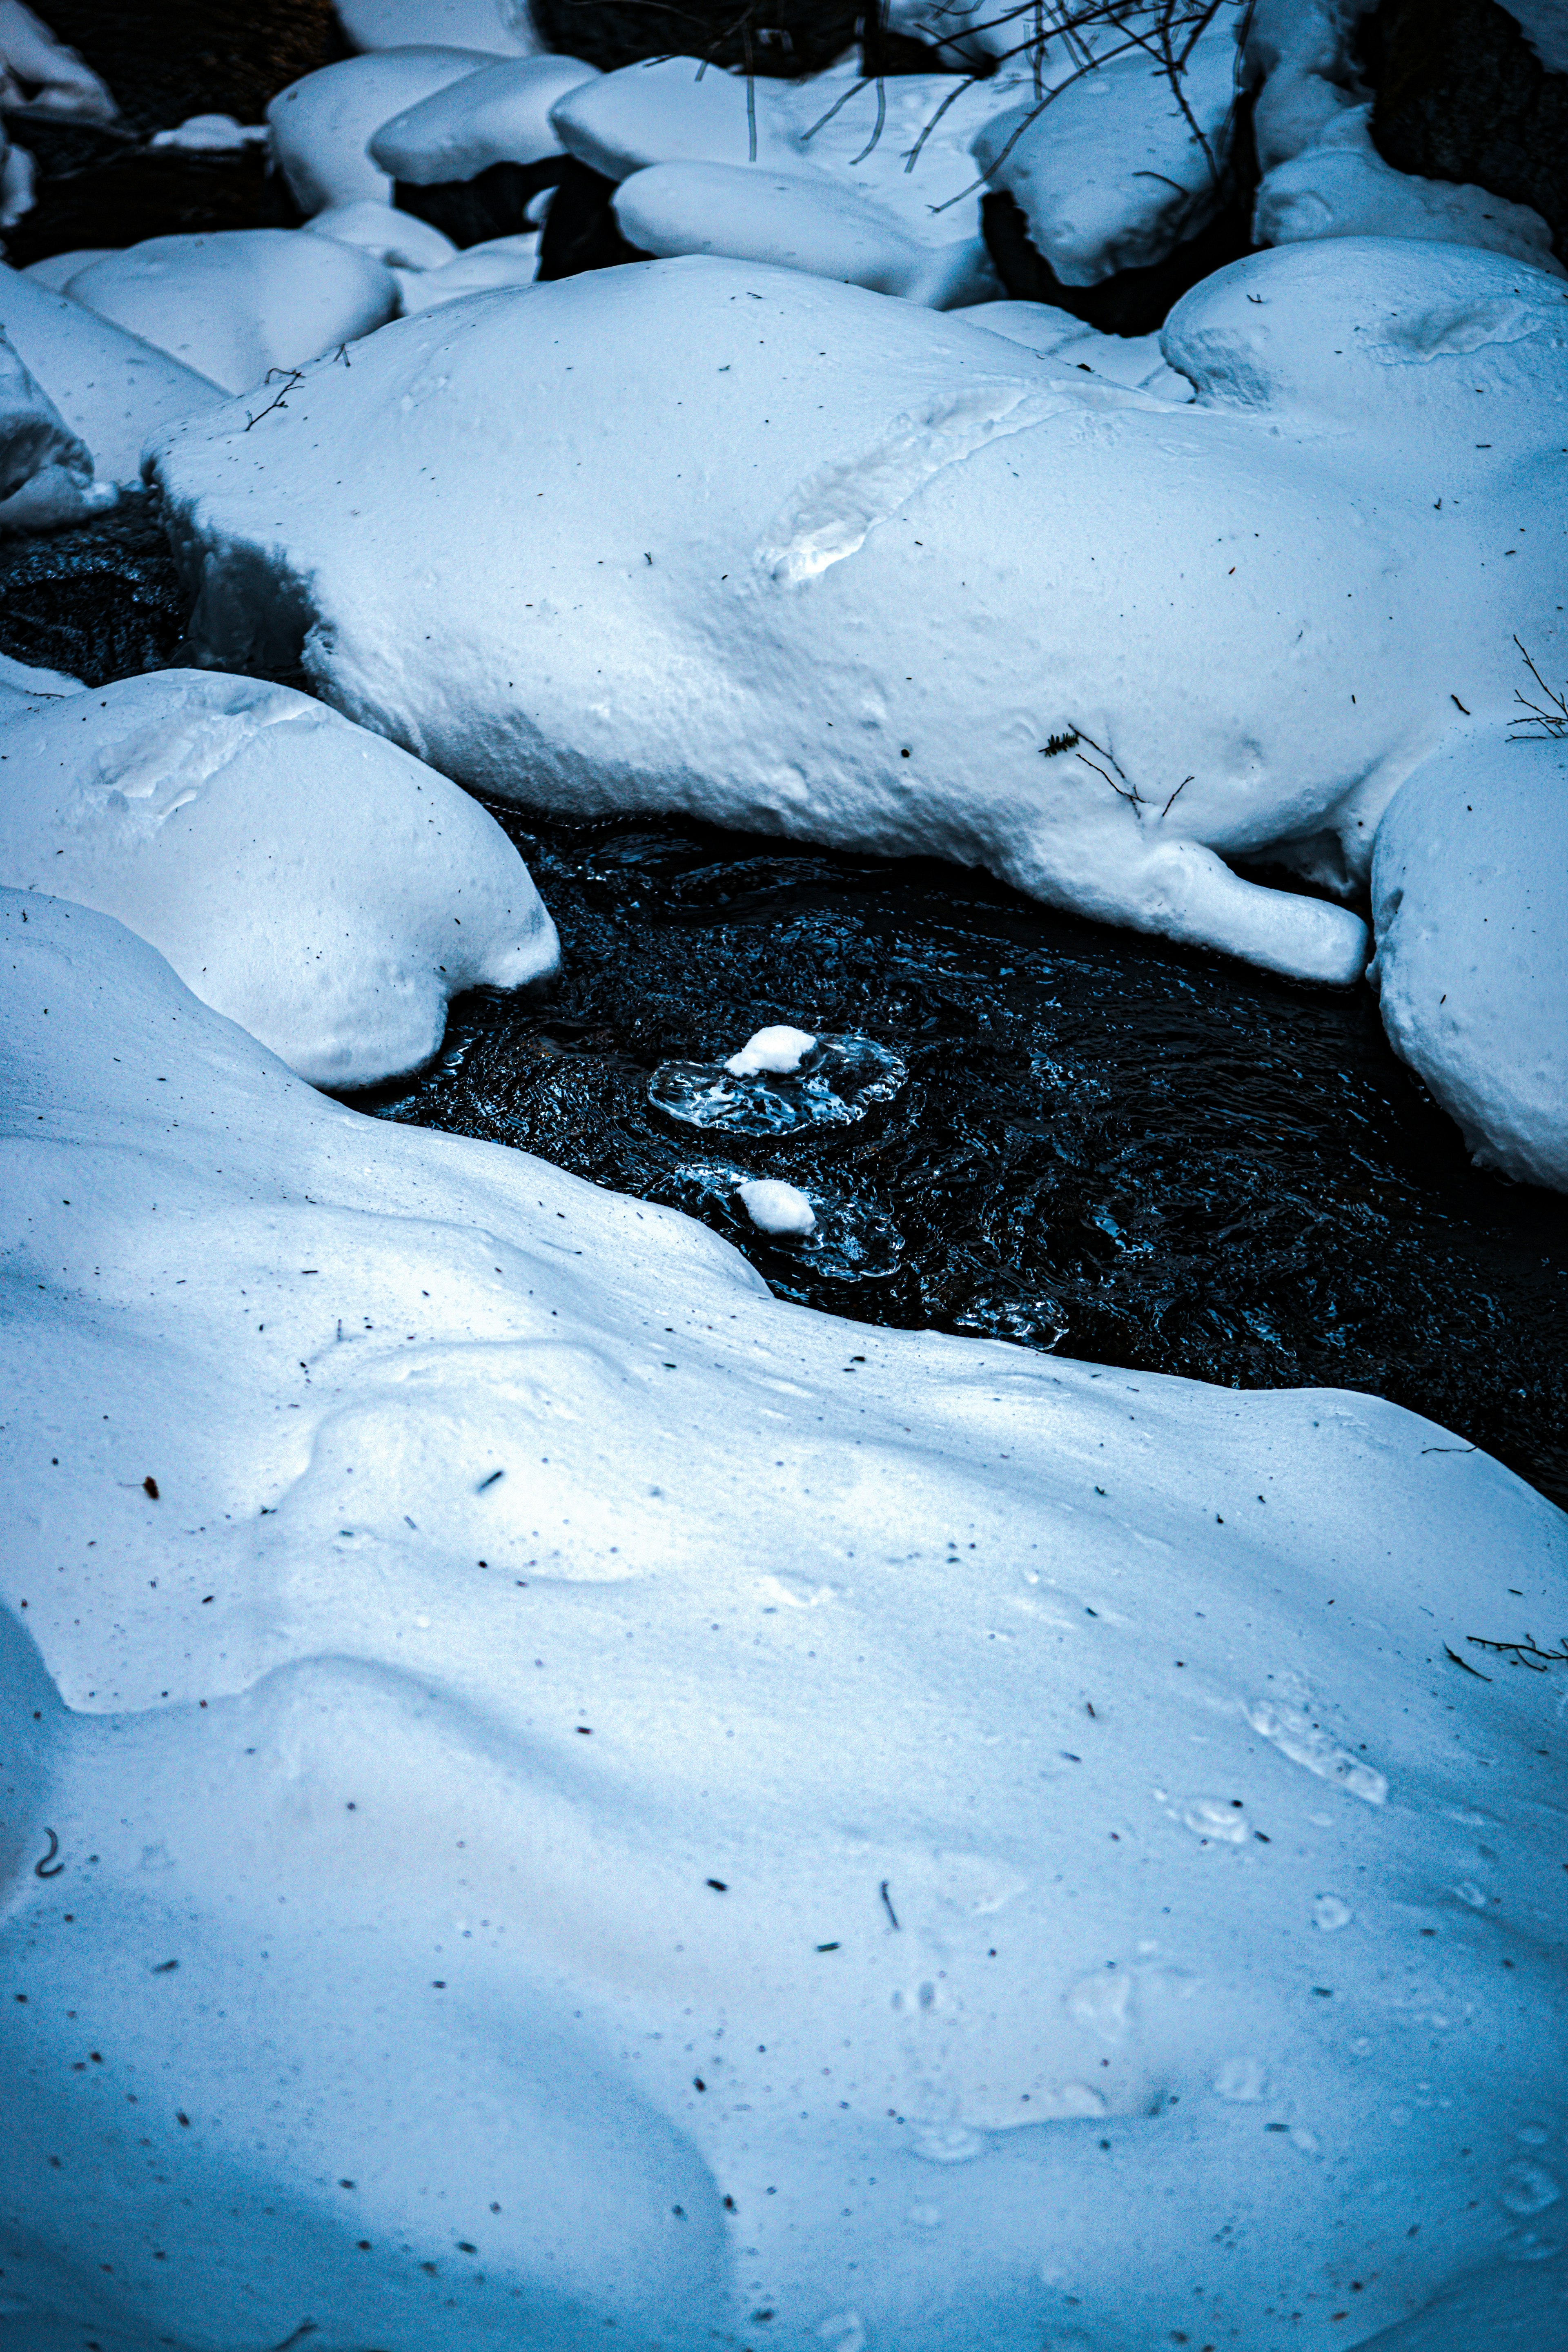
(899, 152)
(320, 124)
(1122, 163)
(1136, 360)
(234, 303)
(569, 1792)
(1469, 901)
(405, 246)
(500, 261)
(34, 436)
(499, 115)
(57, 269)
(40, 72)
(309, 881)
(112, 388)
(500, 27)
(701, 537)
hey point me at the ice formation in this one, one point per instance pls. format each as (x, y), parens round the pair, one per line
(309, 881)
(885, 579)
(1469, 901)
(546, 1789)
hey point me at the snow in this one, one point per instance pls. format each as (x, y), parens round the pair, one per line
(44, 74)
(307, 879)
(33, 433)
(1544, 24)
(213, 134)
(1135, 361)
(22, 679)
(500, 261)
(234, 304)
(395, 238)
(57, 269)
(779, 1049)
(501, 27)
(844, 591)
(881, 1882)
(1116, 169)
(1470, 905)
(1341, 186)
(832, 162)
(499, 115)
(320, 124)
(774, 1207)
(112, 389)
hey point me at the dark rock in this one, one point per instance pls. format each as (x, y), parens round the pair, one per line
(1132, 302)
(1461, 96)
(492, 203)
(581, 231)
(780, 39)
(100, 600)
(125, 194)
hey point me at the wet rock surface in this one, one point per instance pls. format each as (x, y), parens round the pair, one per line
(99, 601)
(1128, 1152)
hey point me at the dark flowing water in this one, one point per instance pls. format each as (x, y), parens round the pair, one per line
(1128, 1152)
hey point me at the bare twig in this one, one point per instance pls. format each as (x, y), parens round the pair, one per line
(291, 376)
(1525, 1653)
(1549, 717)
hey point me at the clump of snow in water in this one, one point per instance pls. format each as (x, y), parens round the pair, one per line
(561, 1677)
(832, 1082)
(213, 134)
(1121, 166)
(776, 1207)
(316, 884)
(1470, 902)
(320, 124)
(848, 1239)
(777, 1049)
(234, 303)
(895, 634)
(499, 115)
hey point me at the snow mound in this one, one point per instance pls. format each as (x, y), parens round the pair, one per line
(57, 269)
(399, 241)
(1118, 168)
(884, 580)
(309, 881)
(667, 1877)
(1136, 360)
(42, 74)
(500, 261)
(22, 679)
(1469, 901)
(320, 124)
(33, 433)
(499, 115)
(236, 303)
(113, 389)
(779, 1049)
(500, 27)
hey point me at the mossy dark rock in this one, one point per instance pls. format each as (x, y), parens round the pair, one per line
(1461, 96)
(780, 39)
(99, 601)
(581, 231)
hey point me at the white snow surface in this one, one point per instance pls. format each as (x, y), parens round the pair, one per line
(306, 879)
(499, 115)
(779, 1049)
(213, 134)
(23, 678)
(500, 27)
(234, 303)
(33, 433)
(776, 1207)
(1116, 170)
(847, 592)
(1136, 360)
(112, 388)
(1470, 899)
(321, 123)
(57, 269)
(396, 238)
(500, 261)
(40, 72)
(923, 1882)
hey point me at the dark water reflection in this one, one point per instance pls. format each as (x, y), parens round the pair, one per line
(1132, 1153)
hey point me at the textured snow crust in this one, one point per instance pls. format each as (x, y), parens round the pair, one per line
(528, 1853)
(236, 303)
(1470, 907)
(307, 878)
(882, 579)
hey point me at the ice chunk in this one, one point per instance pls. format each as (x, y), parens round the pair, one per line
(774, 1207)
(213, 134)
(779, 1050)
(832, 1083)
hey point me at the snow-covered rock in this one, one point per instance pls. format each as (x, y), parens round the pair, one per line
(703, 537)
(41, 72)
(394, 238)
(1118, 167)
(320, 124)
(499, 115)
(23, 678)
(899, 149)
(33, 433)
(500, 27)
(1341, 186)
(309, 881)
(1470, 900)
(112, 388)
(57, 269)
(234, 303)
(566, 1791)
(500, 261)
(1135, 361)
